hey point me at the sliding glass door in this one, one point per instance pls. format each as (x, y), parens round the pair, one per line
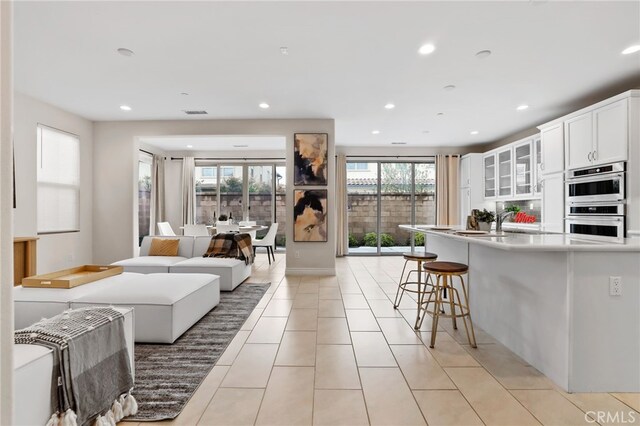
(383, 195)
(144, 195)
(242, 191)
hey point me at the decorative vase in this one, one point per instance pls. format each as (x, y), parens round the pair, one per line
(484, 226)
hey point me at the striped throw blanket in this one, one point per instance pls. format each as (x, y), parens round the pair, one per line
(231, 245)
(91, 370)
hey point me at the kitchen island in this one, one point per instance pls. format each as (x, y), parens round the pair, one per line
(547, 298)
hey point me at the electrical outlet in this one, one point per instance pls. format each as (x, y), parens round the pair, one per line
(297, 254)
(615, 286)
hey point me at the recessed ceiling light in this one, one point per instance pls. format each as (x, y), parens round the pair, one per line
(241, 146)
(483, 54)
(125, 52)
(449, 88)
(522, 107)
(125, 107)
(474, 132)
(375, 132)
(425, 131)
(189, 146)
(184, 94)
(440, 113)
(284, 50)
(398, 143)
(631, 49)
(426, 49)
(389, 106)
(264, 105)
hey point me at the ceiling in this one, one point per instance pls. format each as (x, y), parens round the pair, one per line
(345, 61)
(216, 143)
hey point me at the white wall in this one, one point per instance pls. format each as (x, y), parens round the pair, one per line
(6, 234)
(115, 179)
(55, 251)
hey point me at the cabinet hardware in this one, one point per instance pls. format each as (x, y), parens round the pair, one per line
(595, 155)
(589, 156)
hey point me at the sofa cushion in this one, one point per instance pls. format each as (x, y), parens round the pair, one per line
(185, 248)
(149, 264)
(232, 272)
(32, 304)
(164, 247)
(165, 305)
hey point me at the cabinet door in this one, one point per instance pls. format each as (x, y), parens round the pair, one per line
(465, 205)
(465, 172)
(523, 169)
(553, 203)
(552, 139)
(505, 188)
(611, 133)
(537, 169)
(489, 167)
(579, 141)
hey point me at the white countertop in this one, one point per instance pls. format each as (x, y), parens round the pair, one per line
(534, 242)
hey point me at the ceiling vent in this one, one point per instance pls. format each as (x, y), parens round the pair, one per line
(194, 112)
(398, 143)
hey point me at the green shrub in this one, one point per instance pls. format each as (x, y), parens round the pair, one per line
(353, 241)
(419, 239)
(371, 240)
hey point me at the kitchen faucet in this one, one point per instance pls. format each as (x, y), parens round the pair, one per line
(500, 219)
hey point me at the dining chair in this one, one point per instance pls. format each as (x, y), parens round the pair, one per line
(249, 223)
(165, 229)
(268, 242)
(198, 230)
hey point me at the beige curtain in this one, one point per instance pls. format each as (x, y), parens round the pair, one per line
(342, 244)
(447, 191)
(157, 193)
(188, 191)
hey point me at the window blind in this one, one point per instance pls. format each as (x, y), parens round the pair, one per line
(58, 181)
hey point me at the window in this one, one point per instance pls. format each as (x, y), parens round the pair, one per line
(58, 177)
(145, 163)
(208, 172)
(358, 166)
(227, 171)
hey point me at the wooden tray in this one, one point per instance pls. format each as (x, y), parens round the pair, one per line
(73, 277)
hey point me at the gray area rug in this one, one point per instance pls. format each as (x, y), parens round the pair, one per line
(168, 375)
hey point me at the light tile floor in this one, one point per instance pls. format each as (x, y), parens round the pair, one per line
(333, 351)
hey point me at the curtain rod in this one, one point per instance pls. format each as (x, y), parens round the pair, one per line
(147, 152)
(390, 156)
(230, 158)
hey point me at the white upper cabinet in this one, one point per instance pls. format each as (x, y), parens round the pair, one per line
(505, 165)
(552, 140)
(598, 137)
(489, 175)
(537, 169)
(579, 137)
(523, 169)
(611, 133)
(465, 172)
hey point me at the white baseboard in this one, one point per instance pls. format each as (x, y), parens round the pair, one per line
(310, 271)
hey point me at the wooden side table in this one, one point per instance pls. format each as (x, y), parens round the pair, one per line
(24, 258)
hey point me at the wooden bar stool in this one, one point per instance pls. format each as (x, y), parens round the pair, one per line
(420, 287)
(444, 271)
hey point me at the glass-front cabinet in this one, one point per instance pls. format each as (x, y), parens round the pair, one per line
(489, 167)
(537, 149)
(505, 188)
(523, 173)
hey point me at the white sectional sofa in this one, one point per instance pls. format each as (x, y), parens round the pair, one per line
(33, 368)
(232, 272)
(165, 305)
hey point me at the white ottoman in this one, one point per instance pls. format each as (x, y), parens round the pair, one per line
(33, 304)
(165, 305)
(232, 272)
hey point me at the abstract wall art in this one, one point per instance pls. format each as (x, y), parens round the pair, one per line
(310, 215)
(310, 158)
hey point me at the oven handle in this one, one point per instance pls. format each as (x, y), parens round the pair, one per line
(605, 176)
(594, 219)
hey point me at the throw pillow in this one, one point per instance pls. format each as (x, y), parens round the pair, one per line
(164, 247)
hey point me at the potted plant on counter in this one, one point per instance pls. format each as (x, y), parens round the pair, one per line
(485, 218)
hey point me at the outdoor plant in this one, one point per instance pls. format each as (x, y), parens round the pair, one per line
(418, 239)
(371, 240)
(353, 241)
(485, 216)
